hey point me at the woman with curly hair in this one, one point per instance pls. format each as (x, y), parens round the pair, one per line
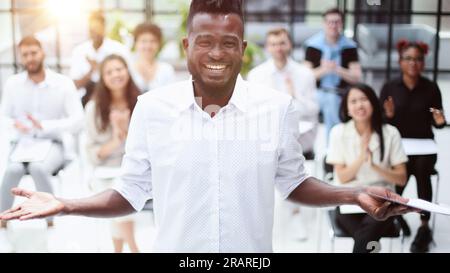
(147, 71)
(413, 104)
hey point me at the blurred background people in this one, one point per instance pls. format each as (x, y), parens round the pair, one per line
(38, 104)
(148, 73)
(107, 119)
(87, 56)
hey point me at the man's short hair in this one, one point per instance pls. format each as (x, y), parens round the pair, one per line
(215, 7)
(279, 31)
(333, 11)
(29, 41)
(97, 16)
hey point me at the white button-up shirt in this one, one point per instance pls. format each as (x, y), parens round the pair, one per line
(212, 180)
(304, 91)
(54, 102)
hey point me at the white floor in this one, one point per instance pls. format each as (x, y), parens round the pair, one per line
(78, 234)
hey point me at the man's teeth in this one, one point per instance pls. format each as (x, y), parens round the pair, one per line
(216, 67)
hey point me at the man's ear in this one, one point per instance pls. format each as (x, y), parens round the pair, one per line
(244, 46)
(185, 42)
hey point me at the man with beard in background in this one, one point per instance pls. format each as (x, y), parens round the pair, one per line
(38, 105)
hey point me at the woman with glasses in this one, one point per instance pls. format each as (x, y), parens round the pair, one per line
(413, 104)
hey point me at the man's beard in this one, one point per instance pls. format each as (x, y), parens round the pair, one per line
(36, 70)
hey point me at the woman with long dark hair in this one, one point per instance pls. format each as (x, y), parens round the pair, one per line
(413, 104)
(364, 151)
(108, 117)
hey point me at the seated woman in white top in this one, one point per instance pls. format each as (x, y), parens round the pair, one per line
(108, 117)
(364, 151)
(148, 73)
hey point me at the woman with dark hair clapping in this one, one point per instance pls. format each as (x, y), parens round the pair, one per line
(364, 151)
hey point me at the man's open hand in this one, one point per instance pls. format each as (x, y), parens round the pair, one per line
(38, 205)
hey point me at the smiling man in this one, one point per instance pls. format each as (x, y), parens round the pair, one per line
(210, 152)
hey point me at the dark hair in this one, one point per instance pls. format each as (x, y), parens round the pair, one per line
(279, 31)
(404, 45)
(377, 116)
(103, 98)
(97, 16)
(29, 41)
(333, 11)
(215, 7)
(147, 28)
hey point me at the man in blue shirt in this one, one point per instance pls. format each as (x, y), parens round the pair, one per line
(334, 59)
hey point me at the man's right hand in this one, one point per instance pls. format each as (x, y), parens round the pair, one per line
(22, 128)
(328, 67)
(38, 205)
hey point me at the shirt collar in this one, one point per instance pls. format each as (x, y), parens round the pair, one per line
(239, 97)
(319, 41)
(105, 44)
(273, 68)
(402, 83)
(47, 82)
(186, 98)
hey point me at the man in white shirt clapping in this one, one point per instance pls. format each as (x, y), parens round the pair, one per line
(87, 56)
(284, 74)
(210, 152)
(38, 104)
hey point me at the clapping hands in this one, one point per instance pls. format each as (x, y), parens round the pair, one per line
(120, 120)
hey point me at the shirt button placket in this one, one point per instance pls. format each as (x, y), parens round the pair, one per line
(213, 138)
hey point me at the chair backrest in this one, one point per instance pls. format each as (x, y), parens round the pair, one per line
(394, 231)
(303, 31)
(328, 171)
(374, 37)
(256, 31)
